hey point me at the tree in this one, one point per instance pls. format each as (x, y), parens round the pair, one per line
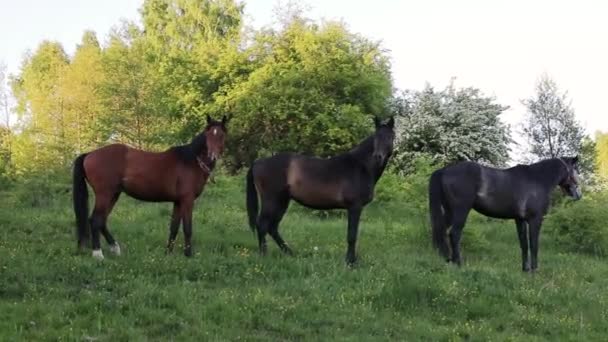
(81, 87)
(601, 141)
(5, 125)
(41, 106)
(194, 45)
(313, 89)
(450, 125)
(134, 103)
(550, 127)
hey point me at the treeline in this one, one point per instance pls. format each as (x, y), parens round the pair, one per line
(304, 86)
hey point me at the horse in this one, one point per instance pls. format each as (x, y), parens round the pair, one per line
(345, 181)
(176, 175)
(521, 193)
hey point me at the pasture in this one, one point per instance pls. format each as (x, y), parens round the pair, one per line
(400, 289)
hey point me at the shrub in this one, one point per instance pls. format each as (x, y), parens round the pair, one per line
(581, 226)
(41, 190)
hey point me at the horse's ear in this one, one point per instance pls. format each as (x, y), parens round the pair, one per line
(224, 120)
(208, 119)
(575, 160)
(391, 122)
(377, 122)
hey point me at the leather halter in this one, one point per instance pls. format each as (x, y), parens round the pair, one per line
(203, 166)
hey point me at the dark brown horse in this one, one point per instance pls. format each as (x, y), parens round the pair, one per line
(345, 181)
(177, 175)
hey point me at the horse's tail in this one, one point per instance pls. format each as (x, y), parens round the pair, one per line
(438, 221)
(80, 195)
(252, 201)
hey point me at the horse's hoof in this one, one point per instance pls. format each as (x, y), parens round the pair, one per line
(98, 254)
(263, 250)
(350, 261)
(115, 248)
(188, 252)
(288, 251)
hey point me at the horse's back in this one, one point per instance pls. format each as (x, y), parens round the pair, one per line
(314, 182)
(500, 193)
(106, 163)
(142, 174)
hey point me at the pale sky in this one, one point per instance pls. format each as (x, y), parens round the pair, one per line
(500, 47)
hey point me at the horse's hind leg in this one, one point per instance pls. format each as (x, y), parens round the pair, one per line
(103, 203)
(459, 217)
(273, 228)
(114, 246)
(523, 243)
(271, 206)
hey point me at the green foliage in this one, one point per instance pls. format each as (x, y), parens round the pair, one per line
(450, 125)
(400, 290)
(581, 226)
(305, 87)
(601, 143)
(42, 107)
(314, 90)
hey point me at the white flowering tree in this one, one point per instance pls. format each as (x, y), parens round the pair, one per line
(450, 125)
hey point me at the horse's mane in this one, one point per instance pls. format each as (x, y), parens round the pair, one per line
(364, 149)
(363, 152)
(189, 152)
(545, 170)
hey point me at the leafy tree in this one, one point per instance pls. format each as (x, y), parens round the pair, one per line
(550, 127)
(450, 125)
(41, 106)
(5, 126)
(313, 89)
(195, 47)
(601, 141)
(81, 86)
(133, 99)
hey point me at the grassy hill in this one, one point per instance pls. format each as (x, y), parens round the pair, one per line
(400, 289)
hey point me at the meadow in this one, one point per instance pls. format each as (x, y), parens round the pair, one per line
(399, 290)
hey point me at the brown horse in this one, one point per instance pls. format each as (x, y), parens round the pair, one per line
(176, 175)
(345, 181)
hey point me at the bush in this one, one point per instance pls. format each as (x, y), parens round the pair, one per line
(581, 226)
(41, 190)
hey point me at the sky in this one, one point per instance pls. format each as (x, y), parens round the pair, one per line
(499, 46)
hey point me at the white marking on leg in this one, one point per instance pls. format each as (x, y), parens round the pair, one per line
(98, 254)
(115, 248)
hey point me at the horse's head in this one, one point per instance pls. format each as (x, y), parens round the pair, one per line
(383, 140)
(570, 182)
(215, 134)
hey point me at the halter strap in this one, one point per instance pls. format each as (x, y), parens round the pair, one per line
(203, 166)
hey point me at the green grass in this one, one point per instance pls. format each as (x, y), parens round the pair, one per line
(400, 289)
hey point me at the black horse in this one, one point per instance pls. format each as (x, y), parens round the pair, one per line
(521, 193)
(345, 181)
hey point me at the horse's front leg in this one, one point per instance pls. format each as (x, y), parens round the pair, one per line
(186, 210)
(354, 214)
(522, 233)
(534, 225)
(173, 227)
